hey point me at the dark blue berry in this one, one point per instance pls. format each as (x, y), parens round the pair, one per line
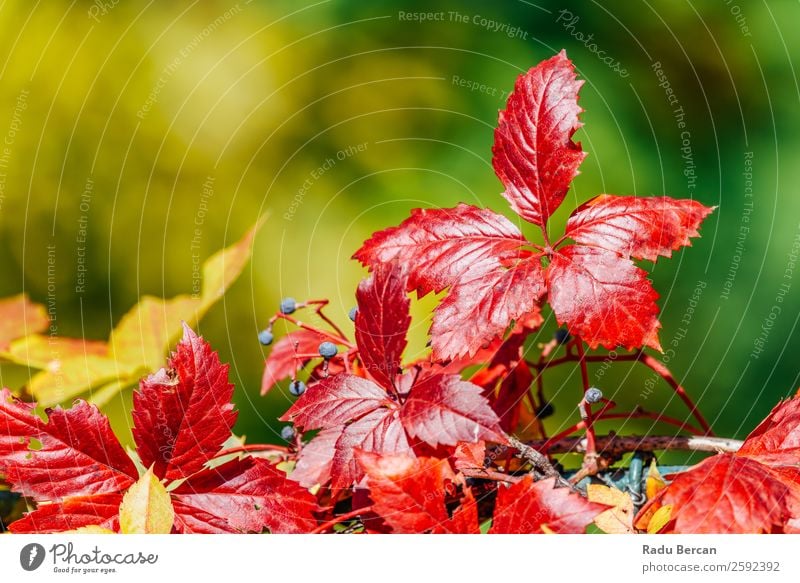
(328, 350)
(288, 305)
(352, 314)
(562, 336)
(265, 337)
(545, 411)
(297, 388)
(593, 395)
(287, 432)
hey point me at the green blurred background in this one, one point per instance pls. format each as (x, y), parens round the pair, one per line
(338, 117)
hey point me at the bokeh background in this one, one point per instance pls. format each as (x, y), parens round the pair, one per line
(337, 117)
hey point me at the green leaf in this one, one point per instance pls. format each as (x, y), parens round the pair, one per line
(146, 507)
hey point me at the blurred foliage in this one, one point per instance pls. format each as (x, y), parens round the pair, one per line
(69, 368)
(136, 125)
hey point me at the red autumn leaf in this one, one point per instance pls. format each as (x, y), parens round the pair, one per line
(335, 401)
(534, 155)
(468, 456)
(529, 507)
(74, 453)
(409, 494)
(483, 303)
(603, 297)
(70, 514)
(464, 519)
(472, 250)
(641, 227)
(183, 415)
(75, 466)
(377, 432)
(438, 409)
(445, 410)
(357, 413)
(509, 399)
(443, 245)
(192, 520)
(282, 362)
(727, 494)
(382, 321)
(316, 459)
(776, 441)
(756, 489)
(495, 276)
(233, 494)
(506, 355)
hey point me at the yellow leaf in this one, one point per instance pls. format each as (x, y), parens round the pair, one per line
(146, 507)
(225, 266)
(655, 483)
(619, 518)
(40, 351)
(659, 519)
(103, 394)
(64, 380)
(20, 317)
(139, 343)
(287, 466)
(143, 334)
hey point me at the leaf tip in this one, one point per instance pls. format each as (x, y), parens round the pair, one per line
(188, 333)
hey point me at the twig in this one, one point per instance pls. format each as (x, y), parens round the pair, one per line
(486, 474)
(590, 458)
(255, 448)
(589, 358)
(653, 364)
(319, 305)
(324, 333)
(341, 518)
(665, 374)
(616, 445)
(541, 465)
(638, 413)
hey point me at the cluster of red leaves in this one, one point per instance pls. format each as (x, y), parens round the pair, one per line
(495, 276)
(74, 467)
(398, 437)
(425, 495)
(407, 442)
(395, 429)
(755, 490)
(377, 408)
